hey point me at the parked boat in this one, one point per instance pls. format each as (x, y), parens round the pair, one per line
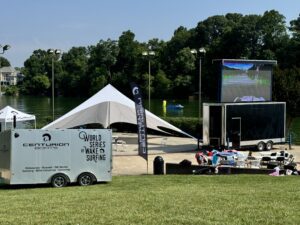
(175, 107)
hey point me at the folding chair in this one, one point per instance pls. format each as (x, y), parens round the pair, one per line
(265, 160)
(163, 141)
(280, 160)
(122, 144)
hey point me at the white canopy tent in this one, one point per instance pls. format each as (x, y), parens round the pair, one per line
(106, 107)
(7, 116)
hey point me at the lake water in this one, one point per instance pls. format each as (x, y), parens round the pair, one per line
(42, 107)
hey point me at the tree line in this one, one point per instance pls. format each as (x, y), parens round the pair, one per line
(82, 71)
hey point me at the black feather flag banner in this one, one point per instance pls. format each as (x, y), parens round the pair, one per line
(141, 121)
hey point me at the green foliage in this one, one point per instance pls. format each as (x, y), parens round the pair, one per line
(184, 61)
(163, 85)
(128, 56)
(4, 62)
(36, 64)
(167, 199)
(211, 30)
(75, 64)
(295, 28)
(181, 85)
(191, 125)
(42, 121)
(287, 88)
(82, 71)
(98, 83)
(294, 130)
(38, 85)
(180, 40)
(38, 72)
(11, 90)
(145, 79)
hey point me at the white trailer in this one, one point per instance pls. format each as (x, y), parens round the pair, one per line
(58, 157)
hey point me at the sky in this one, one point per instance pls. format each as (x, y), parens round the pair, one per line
(28, 25)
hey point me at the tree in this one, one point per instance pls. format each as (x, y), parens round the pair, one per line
(38, 73)
(211, 30)
(145, 84)
(181, 86)
(273, 34)
(12, 90)
(287, 88)
(293, 50)
(128, 56)
(35, 66)
(103, 57)
(295, 28)
(184, 61)
(174, 70)
(162, 85)
(98, 83)
(38, 85)
(158, 62)
(4, 62)
(180, 40)
(241, 41)
(74, 63)
(184, 65)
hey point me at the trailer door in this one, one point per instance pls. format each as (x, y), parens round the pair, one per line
(236, 132)
(215, 125)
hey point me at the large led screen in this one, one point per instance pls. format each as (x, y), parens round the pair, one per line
(246, 81)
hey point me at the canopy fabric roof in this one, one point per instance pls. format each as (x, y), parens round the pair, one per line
(7, 115)
(106, 107)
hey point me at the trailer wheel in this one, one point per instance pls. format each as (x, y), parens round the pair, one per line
(86, 179)
(261, 146)
(269, 145)
(59, 180)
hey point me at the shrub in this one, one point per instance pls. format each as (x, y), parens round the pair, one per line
(190, 125)
(12, 91)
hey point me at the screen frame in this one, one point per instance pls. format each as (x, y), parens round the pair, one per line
(270, 63)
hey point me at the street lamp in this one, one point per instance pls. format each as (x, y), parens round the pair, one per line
(53, 53)
(4, 48)
(201, 52)
(149, 53)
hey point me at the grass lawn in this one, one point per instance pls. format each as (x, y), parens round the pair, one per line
(167, 199)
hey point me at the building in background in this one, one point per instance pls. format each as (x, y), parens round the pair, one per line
(10, 76)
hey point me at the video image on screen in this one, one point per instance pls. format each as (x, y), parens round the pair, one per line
(246, 82)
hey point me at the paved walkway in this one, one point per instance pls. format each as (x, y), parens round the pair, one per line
(127, 144)
(172, 149)
(126, 160)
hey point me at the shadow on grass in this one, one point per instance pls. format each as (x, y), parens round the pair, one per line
(39, 186)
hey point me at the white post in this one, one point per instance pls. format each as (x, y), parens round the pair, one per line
(53, 87)
(149, 72)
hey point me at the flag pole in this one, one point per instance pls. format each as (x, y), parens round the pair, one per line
(147, 162)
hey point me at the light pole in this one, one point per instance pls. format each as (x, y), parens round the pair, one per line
(149, 53)
(201, 52)
(53, 53)
(4, 48)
